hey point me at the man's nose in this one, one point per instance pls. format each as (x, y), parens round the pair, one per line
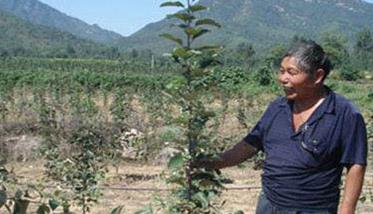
(283, 78)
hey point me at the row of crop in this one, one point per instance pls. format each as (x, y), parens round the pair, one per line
(77, 80)
(93, 65)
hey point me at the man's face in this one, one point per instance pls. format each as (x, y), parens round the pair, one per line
(297, 84)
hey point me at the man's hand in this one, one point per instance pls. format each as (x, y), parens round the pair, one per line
(353, 185)
(234, 156)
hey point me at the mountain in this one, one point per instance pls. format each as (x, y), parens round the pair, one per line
(264, 23)
(21, 38)
(39, 13)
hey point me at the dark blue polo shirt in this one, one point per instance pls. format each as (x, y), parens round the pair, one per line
(302, 170)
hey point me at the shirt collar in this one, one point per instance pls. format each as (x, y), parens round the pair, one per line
(327, 106)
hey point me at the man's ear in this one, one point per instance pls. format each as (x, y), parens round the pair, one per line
(319, 76)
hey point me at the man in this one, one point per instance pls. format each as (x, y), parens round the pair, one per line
(308, 136)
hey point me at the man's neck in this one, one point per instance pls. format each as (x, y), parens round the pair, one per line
(311, 101)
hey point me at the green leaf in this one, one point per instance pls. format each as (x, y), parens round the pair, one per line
(207, 22)
(53, 203)
(208, 183)
(172, 38)
(147, 210)
(182, 16)
(209, 47)
(182, 26)
(176, 180)
(176, 83)
(200, 197)
(43, 209)
(196, 32)
(200, 33)
(172, 4)
(182, 120)
(176, 162)
(3, 198)
(196, 8)
(117, 210)
(203, 175)
(180, 52)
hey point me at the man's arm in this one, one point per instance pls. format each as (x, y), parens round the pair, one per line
(353, 185)
(234, 156)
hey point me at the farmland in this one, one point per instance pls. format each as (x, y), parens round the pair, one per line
(94, 128)
(47, 101)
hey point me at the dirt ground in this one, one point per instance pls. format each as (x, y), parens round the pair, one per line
(133, 187)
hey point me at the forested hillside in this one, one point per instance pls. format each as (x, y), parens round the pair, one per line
(265, 23)
(39, 13)
(21, 38)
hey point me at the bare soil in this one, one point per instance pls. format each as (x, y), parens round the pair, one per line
(136, 185)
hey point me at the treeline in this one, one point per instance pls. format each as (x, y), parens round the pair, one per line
(87, 50)
(92, 65)
(350, 62)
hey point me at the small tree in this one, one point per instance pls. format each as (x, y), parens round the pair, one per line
(85, 167)
(196, 187)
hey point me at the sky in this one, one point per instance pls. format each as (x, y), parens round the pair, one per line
(122, 16)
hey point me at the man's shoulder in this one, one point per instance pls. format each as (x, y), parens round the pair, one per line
(345, 105)
(280, 101)
(276, 105)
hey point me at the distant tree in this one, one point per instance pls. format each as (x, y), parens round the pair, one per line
(61, 53)
(335, 45)
(349, 72)
(298, 38)
(363, 49)
(112, 53)
(70, 51)
(4, 53)
(240, 55)
(245, 52)
(146, 54)
(275, 55)
(364, 41)
(134, 53)
(19, 51)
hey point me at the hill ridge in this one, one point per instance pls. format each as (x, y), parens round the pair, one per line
(265, 22)
(40, 13)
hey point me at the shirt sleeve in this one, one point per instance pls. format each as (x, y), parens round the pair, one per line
(354, 140)
(255, 136)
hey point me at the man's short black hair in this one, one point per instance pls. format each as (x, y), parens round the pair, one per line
(310, 57)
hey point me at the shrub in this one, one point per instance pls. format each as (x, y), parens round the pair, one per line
(349, 73)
